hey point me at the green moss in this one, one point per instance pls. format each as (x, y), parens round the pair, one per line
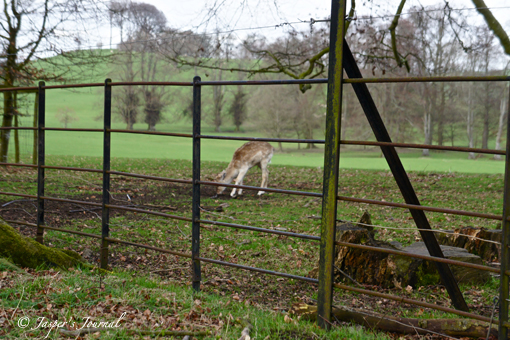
(7, 265)
(26, 252)
(427, 277)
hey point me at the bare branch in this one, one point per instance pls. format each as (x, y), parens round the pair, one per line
(37, 42)
(493, 24)
(392, 28)
(350, 16)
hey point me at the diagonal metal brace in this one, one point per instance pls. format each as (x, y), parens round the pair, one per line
(400, 175)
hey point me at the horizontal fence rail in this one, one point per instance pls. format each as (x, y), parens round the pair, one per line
(149, 212)
(262, 230)
(273, 82)
(109, 239)
(416, 302)
(259, 270)
(249, 187)
(155, 133)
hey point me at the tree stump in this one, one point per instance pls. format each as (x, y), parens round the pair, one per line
(388, 270)
(472, 239)
(426, 270)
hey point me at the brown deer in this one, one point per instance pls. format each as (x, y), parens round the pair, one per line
(246, 157)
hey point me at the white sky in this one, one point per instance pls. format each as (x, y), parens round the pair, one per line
(188, 14)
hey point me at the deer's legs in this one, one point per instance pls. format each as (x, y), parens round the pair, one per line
(265, 177)
(239, 181)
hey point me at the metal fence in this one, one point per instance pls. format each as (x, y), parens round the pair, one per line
(340, 59)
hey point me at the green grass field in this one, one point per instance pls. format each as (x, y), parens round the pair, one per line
(86, 104)
(144, 280)
(163, 147)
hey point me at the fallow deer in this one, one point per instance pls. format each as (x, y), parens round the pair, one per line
(246, 157)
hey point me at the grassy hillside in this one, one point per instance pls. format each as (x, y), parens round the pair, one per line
(85, 105)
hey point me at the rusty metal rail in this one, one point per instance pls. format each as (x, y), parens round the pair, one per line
(437, 79)
(155, 133)
(422, 207)
(155, 213)
(259, 270)
(56, 229)
(249, 187)
(275, 82)
(363, 200)
(424, 146)
(18, 128)
(109, 239)
(416, 302)
(140, 245)
(156, 178)
(18, 165)
(262, 230)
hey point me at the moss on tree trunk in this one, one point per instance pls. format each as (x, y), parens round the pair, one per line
(26, 252)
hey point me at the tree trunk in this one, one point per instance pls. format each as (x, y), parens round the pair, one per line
(427, 130)
(35, 123)
(16, 140)
(502, 113)
(5, 135)
(428, 126)
(26, 252)
(486, 118)
(9, 69)
(440, 117)
(218, 105)
(470, 121)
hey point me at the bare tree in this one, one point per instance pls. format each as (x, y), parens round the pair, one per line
(438, 52)
(488, 94)
(238, 108)
(31, 30)
(270, 111)
(144, 24)
(118, 12)
(66, 115)
(309, 113)
(503, 114)
(127, 99)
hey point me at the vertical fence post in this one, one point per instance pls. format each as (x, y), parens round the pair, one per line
(331, 163)
(36, 120)
(505, 241)
(40, 162)
(195, 209)
(105, 225)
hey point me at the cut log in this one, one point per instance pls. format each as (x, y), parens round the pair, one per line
(473, 240)
(430, 275)
(450, 327)
(28, 253)
(389, 271)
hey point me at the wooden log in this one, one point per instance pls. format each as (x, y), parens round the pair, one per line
(474, 241)
(450, 327)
